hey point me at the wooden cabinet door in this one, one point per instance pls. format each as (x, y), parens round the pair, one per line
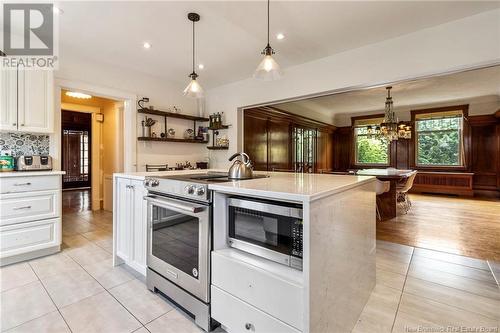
(8, 100)
(139, 226)
(255, 140)
(35, 101)
(279, 145)
(123, 225)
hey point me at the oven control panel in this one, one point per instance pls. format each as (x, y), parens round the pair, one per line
(179, 188)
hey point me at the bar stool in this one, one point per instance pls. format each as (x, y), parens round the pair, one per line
(381, 188)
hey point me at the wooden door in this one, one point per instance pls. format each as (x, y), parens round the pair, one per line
(76, 148)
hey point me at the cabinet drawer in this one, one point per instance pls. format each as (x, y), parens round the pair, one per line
(21, 207)
(239, 316)
(31, 236)
(264, 290)
(28, 184)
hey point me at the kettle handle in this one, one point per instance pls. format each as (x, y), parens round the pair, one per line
(246, 158)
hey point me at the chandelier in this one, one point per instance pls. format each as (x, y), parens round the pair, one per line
(390, 129)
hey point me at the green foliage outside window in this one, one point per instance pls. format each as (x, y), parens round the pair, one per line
(369, 149)
(439, 141)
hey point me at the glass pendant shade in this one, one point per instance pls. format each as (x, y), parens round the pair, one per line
(194, 89)
(268, 69)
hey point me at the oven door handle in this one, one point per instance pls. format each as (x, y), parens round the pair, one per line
(175, 204)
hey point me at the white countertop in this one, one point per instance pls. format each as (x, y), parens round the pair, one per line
(279, 185)
(292, 186)
(30, 173)
(143, 174)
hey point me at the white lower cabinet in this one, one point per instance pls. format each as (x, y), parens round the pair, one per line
(239, 316)
(130, 223)
(22, 207)
(247, 290)
(21, 238)
(30, 217)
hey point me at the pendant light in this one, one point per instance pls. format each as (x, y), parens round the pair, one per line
(193, 90)
(268, 68)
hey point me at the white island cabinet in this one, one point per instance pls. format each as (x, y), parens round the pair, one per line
(30, 215)
(129, 222)
(253, 294)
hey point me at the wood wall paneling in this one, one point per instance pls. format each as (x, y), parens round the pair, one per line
(255, 143)
(269, 143)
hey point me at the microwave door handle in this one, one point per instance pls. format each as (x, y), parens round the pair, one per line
(265, 207)
(175, 205)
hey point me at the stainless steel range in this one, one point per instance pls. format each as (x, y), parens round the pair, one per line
(179, 240)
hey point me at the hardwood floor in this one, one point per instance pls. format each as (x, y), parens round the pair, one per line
(464, 226)
(74, 201)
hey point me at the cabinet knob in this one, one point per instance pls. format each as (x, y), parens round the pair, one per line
(22, 124)
(14, 124)
(248, 326)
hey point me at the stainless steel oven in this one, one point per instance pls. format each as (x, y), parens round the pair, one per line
(179, 242)
(269, 229)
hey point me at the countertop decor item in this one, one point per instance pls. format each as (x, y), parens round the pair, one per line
(6, 163)
(241, 169)
(193, 89)
(268, 68)
(171, 133)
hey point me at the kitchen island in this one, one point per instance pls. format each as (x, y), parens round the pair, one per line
(338, 269)
(325, 293)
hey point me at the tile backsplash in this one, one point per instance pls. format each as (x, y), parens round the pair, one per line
(24, 144)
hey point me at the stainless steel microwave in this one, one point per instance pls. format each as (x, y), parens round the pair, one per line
(269, 229)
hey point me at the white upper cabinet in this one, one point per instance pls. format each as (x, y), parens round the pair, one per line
(8, 100)
(27, 101)
(35, 101)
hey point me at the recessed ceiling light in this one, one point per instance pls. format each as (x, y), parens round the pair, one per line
(147, 45)
(280, 36)
(76, 94)
(57, 10)
(201, 66)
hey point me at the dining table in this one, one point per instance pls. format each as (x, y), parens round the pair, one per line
(387, 202)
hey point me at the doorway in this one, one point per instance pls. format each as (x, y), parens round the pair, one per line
(76, 149)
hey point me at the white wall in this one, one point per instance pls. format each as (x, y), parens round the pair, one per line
(464, 43)
(162, 94)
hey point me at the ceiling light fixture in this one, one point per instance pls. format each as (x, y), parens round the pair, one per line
(76, 94)
(193, 90)
(147, 45)
(280, 36)
(268, 68)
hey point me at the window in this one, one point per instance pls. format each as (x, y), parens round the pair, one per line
(439, 139)
(369, 149)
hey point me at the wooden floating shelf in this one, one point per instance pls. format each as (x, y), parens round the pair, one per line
(217, 148)
(145, 138)
(171, 115)
(219, 128)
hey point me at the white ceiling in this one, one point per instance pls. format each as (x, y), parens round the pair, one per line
(231, 34)
(453, 87)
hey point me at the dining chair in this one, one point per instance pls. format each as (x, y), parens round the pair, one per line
(381, 187)
(402, 192)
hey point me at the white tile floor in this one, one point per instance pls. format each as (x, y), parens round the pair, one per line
(78, 290)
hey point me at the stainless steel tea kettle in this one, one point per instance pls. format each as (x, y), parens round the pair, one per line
(241, 169)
